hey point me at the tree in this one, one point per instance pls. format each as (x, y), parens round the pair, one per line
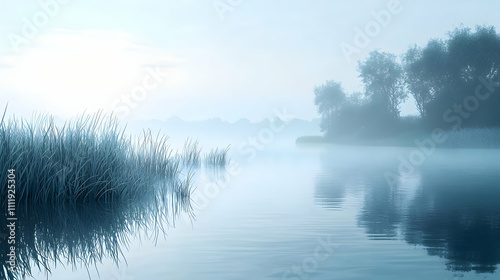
(454, 81)
(471, 58)
(329, 98)
(384, 83)
(425, 70)
(474, 54)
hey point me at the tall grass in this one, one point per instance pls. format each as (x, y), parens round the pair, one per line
(83, 187)
(191, 153)
(217, 157)
(87, 159)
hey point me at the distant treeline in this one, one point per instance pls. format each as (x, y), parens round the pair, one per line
(452, 80)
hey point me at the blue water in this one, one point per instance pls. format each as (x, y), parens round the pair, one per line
(327, 212)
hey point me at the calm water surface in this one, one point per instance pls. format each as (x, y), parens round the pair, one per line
(327, 213)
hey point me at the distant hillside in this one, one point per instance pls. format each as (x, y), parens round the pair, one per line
(231, 132)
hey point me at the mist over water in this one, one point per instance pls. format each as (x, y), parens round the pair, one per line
(231, 139)
(440, 221)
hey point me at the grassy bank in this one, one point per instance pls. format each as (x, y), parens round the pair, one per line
(481, 138)
(406, 140)
(478, 138)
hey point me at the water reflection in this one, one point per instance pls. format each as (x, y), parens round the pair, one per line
(450, 205)
(456, 216)
(77, 236)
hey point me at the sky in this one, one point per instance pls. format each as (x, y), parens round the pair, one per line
(200, 59)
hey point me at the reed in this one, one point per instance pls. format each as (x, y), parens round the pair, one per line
(217, 157)
(89, 158)
(191, 153)
(80, 236)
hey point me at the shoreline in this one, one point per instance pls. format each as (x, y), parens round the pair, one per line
(484, 138)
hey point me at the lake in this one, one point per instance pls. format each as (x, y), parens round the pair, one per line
(322, 212)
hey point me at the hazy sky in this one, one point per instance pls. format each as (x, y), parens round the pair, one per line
(199, 59)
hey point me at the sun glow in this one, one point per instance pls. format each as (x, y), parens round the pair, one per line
(71, 72)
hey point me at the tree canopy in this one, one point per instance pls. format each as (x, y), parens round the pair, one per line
(452, 81)
(383, 79)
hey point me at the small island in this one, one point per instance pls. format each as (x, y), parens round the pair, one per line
(453, 82)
